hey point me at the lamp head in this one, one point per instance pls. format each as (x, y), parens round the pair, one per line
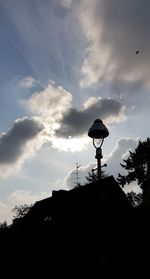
(98, 130)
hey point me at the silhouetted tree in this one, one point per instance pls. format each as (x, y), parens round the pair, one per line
(134, 199)
(93, 176)
(3, 226)
(138, 168)
(21, 210)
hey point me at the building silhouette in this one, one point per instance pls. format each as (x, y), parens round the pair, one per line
(90, 231)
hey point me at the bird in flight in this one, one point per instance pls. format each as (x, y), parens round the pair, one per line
(137, 52)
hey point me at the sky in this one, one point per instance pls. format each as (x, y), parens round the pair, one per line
(63, 64)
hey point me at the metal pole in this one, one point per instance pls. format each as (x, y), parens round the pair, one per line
(99, 167)
(99, 157)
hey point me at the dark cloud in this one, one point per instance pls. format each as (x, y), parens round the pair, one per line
(13, 142)
(77, 122)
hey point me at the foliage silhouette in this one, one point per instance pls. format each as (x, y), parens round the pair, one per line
(134, 199)
(3, 226)
(137, 166)
(92, 176)
(21, 210)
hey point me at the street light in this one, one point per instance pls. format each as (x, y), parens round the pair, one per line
(98, 132)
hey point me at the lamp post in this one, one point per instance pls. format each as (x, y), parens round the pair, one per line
(98, 131)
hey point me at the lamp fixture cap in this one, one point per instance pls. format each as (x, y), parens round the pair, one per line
(98, 130)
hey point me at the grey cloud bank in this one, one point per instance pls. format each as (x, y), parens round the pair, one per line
(77, 122)
(13, 142)
(18, 144)
(53, 105)
(115, 30)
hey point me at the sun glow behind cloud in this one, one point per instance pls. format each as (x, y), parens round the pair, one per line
(54, 120)
(65, 126)
(71, 144)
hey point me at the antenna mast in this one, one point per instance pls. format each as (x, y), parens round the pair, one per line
(77, 174)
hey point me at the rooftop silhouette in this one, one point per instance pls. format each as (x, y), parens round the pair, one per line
(88, 231)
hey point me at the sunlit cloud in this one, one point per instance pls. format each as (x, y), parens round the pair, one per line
(70, 180)
(51, 103)
(71, 144)
(65, 126)
(119, 152)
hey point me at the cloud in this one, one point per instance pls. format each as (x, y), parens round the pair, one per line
(28, 82)
(120, 151)
(51, 103)
(77, 122)
(66, 4)
(70, 180)
(65, 125)
(52, 106)
(70, 144)
(18, 144)
(6, 214)
(114, 32)
(25, 197)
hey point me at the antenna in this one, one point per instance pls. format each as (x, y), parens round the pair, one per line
(77, 174)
